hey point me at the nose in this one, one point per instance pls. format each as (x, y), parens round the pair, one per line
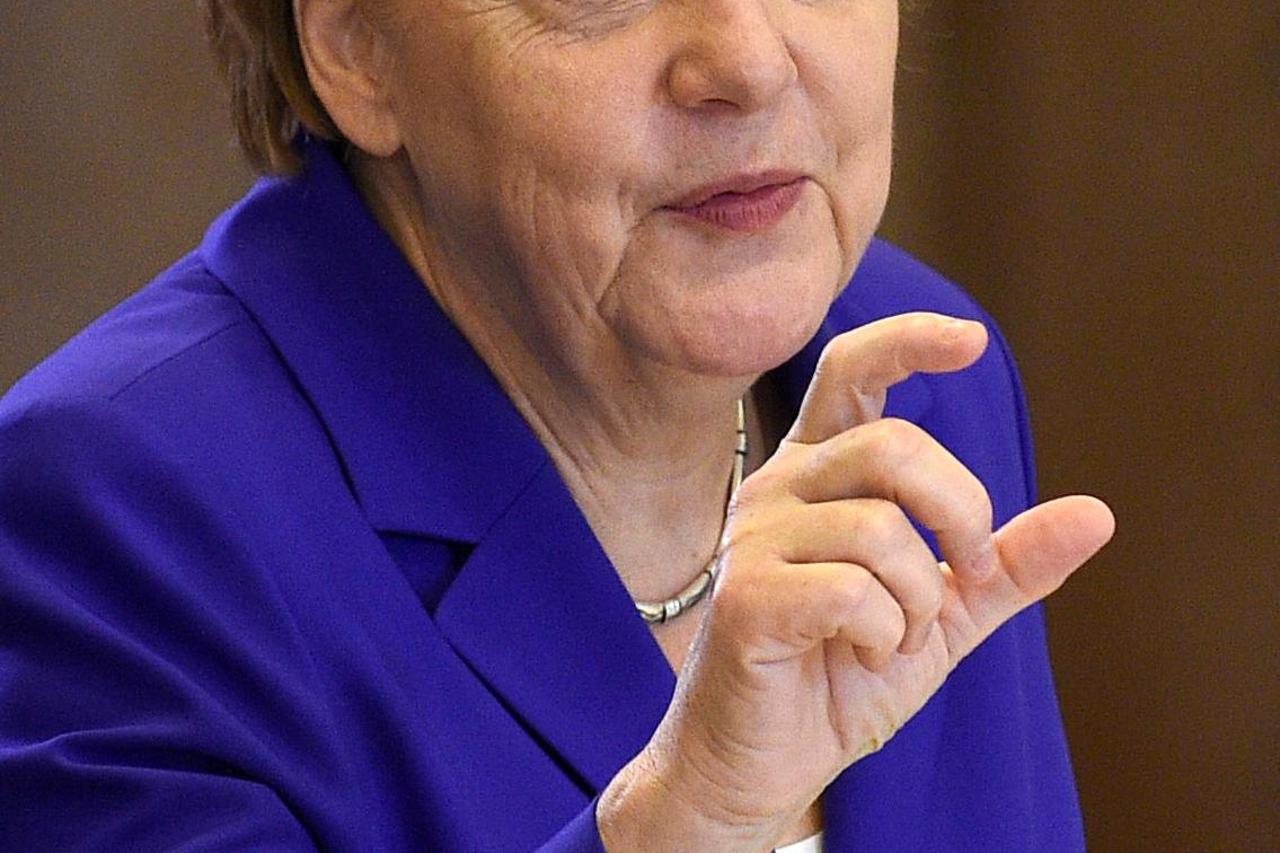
(732, 54)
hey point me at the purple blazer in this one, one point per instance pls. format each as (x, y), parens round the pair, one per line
(281, 567)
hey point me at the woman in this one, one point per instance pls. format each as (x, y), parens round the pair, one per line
(341, 534)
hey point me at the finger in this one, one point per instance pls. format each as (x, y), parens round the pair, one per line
(1039, 549)
(794, 608)
(857, 367)
(877, 535)
(899, 462)
(874, 626)
(1035, 553)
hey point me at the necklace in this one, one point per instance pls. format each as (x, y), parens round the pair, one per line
(657, 612)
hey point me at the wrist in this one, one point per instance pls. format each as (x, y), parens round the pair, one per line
(650, 806)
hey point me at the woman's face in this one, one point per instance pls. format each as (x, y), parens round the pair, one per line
(561, 149)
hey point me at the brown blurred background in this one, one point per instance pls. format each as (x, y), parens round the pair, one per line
(1105, 177)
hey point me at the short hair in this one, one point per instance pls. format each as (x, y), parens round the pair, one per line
(255, 45)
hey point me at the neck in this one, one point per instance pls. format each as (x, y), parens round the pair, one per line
(645, 449)
(647, 454)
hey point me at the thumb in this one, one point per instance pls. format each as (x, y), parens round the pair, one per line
(1035, 553)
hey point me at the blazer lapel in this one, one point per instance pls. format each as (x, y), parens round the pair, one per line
(433, 447)
(541, 616)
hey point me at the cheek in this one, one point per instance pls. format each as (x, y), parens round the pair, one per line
(563, 183)
(852, 90)
(562, 248)
(726, 306)
(860, 193)
(532, 154)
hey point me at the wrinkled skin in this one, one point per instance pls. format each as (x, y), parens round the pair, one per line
(526, 155)
(831, 625)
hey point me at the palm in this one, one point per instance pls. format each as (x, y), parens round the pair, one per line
(807, 711)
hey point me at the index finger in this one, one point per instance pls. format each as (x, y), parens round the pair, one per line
(858, 367)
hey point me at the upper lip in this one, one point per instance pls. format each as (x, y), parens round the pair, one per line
(741, 183)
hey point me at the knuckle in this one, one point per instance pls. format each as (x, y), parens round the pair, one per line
(920, 600)
(744, 573)
(841, 358)
(853, 595)
(970, 508)
(897, 626)
(881, 522)
(928, 602)
(838, 349)
(821, 458)
(732, 607)
(893, 439)
(889, 625)
(828, 366)
(923, 590)
(759, 488)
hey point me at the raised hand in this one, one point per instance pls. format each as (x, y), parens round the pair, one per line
(832, 623)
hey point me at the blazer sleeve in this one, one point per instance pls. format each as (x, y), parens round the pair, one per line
(125, 720)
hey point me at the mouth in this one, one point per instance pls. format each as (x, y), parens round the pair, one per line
(744, 203)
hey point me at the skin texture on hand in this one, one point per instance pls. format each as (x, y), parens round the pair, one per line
(831, 624)
(542, 209)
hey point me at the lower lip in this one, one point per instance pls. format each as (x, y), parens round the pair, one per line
(747, 212)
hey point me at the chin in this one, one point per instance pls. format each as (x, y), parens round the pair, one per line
(731, 306)
(748, 337)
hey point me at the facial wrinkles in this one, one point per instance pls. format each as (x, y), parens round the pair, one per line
(559, 283)
(592, 19)
(597, 18)
(576, 184)
(571, 272)
(706, 147)
(563, 225)
(547, 193)
(563, 21)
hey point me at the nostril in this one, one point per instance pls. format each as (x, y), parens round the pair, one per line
(741, 61)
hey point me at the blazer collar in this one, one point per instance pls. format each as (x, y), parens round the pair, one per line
(432, 446)
(429, 441)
